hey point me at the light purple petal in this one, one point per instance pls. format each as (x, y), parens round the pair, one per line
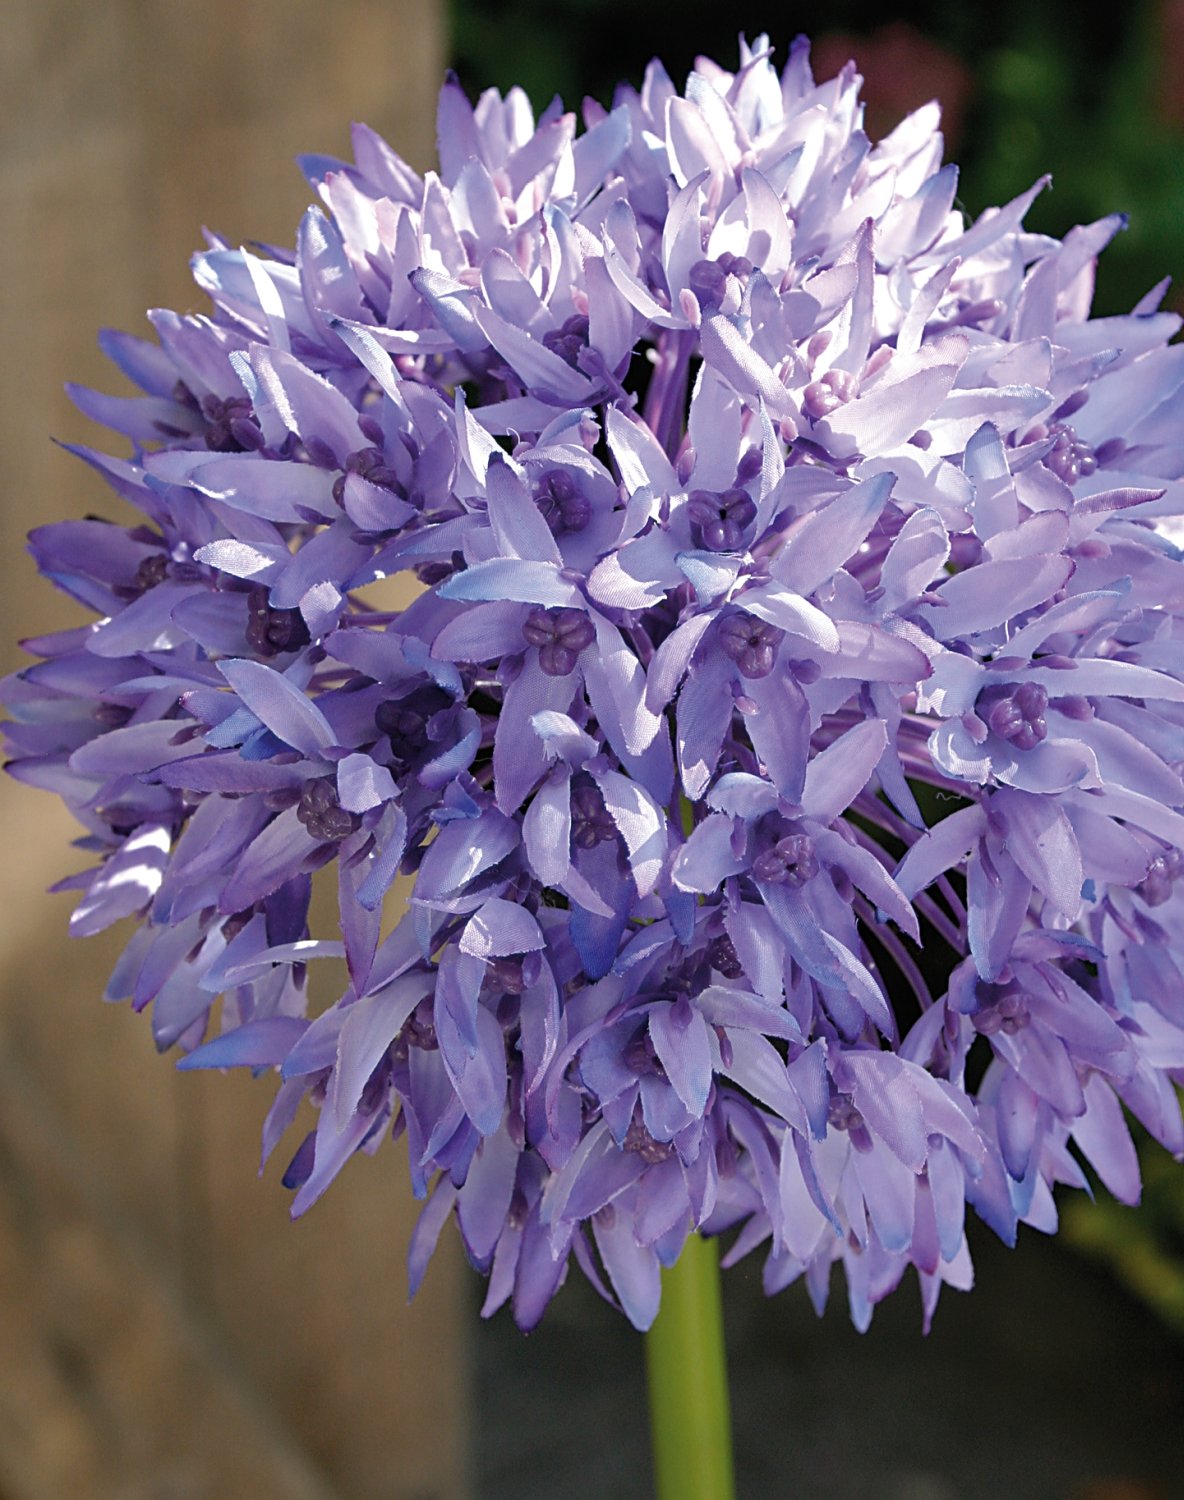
(984, 596)
(641, 824)
(506, 579)
(276, 855)
(1040, 839)
(362, 784)
(828, 537)
(884, 1095)
(520, 757)
(256, 1044)
(277, 702)
(546, 830)
(483, 632)
(780, 731)
(500, 928)
(633, 1269)
(789, 611)
(461, 851)
(370, 1026)
(484, 1201)
(517, 522)
(705, 707)
(837, 774)
(126, 883)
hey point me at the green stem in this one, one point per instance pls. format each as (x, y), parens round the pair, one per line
(690, 1415)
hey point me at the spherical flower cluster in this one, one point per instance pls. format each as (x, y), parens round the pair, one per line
(786, 737)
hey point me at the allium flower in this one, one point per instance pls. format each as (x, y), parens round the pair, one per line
(786, 740)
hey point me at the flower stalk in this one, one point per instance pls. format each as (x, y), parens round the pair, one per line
(686, 1365)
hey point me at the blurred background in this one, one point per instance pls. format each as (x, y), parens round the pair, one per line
(167, 1333)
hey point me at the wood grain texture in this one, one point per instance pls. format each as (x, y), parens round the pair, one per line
(169, 1334)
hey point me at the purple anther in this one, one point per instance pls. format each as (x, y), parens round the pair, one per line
(708, 279)
(591, 823)
(709, 282)
(751, 643)
(231, 425)
(235, 923)
(406, 728)
(405, 720)
(1070, 405)
(1069, 459)
(153, 570)
(1015, 714)
(790, 861)
(735, 265)
(1008, 1012)
(271, 632)
(639, 1139)
(512, 975)
(965, 550)
(841, 1114)
(977, 313)
(570, 341)
(319, 453)
(560, 635)
(823, 396)
(749, 466)
(369, 464)
(1156, 887)
(1074, 706)
(420, 1030)
(564, 505)
(1110, 451)
(322, 814)
(718, 520)
(805, 671)
(113, 715)
(722, 956)
(639, 1055)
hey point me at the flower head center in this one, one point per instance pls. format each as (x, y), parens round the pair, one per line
(369, 464)
(322, 814)
(270, 632)
(1007, 1012)
(826, 394)
(231, 425)
(639, 1139)
(719, 281)
(751, 643)
(570, 341)
(564, 505)
(718, 520)
(1016, 714)
(790, 861)
(591, 823)
(560, 635)
(722, 956)
(1069, 458)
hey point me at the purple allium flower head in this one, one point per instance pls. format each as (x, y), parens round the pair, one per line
(786, 739)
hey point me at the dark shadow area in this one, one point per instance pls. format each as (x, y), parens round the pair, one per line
(1046, 1383)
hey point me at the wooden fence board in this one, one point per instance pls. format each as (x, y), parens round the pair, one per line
(111, 1387)
(124, 128)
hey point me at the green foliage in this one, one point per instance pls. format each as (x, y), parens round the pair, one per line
(1043, 105)
(1081, 101)
(1145, 1249)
